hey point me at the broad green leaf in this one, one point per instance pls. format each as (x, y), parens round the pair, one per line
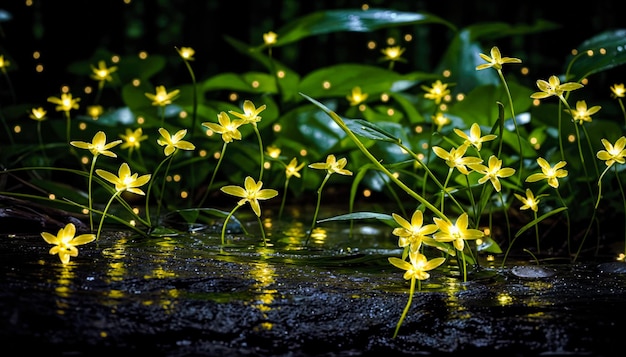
(250, 82)
(324, 22)
(608, 52)
(359, 215)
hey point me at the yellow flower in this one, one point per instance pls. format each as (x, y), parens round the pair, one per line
(552, 174)
(132, 139)
(613, 153)
(293, 168)
(98, 145)
(65, 243)
(530, 201)
(496, 61)
(252, 193)
(4, 63)
(618, 91)
(273, 151)
(250, 113)
(65, 103)
(393, 53)
(125, 181)
(172, 143)
(436, 92)
(492, 173)
(356, 97)
(581, 113)
(95, 111)
(456, 233)
(162, 97)
(38, 114)
(440, 120)
(186, 53)
(418, 266)
(474, 138)
(553, 87)
(455, 159)
(332, 165)
(226, 127)
(269, 38)
(102, 73)
(415, 233)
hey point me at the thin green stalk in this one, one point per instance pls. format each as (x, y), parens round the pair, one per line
(519, 137)
(150, 187)
(317, 207)
(106, 208)
(219, 161)
(621, 105)
(282, 203)
(226, 223)
(89, 196)
(407, 306)
(258, 135)
(569, 249)
(160, 201)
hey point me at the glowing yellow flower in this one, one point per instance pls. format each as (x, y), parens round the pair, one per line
(393, 53)
(618, 90)
(496, 61)
(65, 103)
(613, 153)
(65, 243)
(456, 233)
(356, 97)
(418, 266)
(581, 113)
(269, 38)
(332, 165)
(95, 111)
(415, 233)
(186, 53)
(293, 168)
(172, 143)
(273, 151)
(553, 87)
(38, 114)
(4, 63)
(98, 145)
(226, 127)
(492, 173)
(530, 201)
(436, 92)
(474, 137)
(440, 120)
(250, 113)
(125, 181)
(552, 174)
(162, 97)
(252, 193)
(455, 159)
(132, 139)
(102, 73)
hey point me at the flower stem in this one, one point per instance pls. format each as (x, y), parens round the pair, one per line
(406, 307)
(317, 207)
(258, 135)
(219, 161)
(104, 213)
(226, 222)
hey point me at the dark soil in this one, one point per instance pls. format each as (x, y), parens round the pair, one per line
(189, 296)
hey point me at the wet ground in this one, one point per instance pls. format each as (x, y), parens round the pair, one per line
(188, 295)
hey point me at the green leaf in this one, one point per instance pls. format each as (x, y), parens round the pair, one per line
(324, 22)
(359, 215)
(539, 219)
(608, 52)
(370, 130)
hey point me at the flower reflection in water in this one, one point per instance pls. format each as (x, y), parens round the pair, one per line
(264, 274)
(63, 288)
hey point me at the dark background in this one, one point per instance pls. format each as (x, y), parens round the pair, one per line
(71, 30)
